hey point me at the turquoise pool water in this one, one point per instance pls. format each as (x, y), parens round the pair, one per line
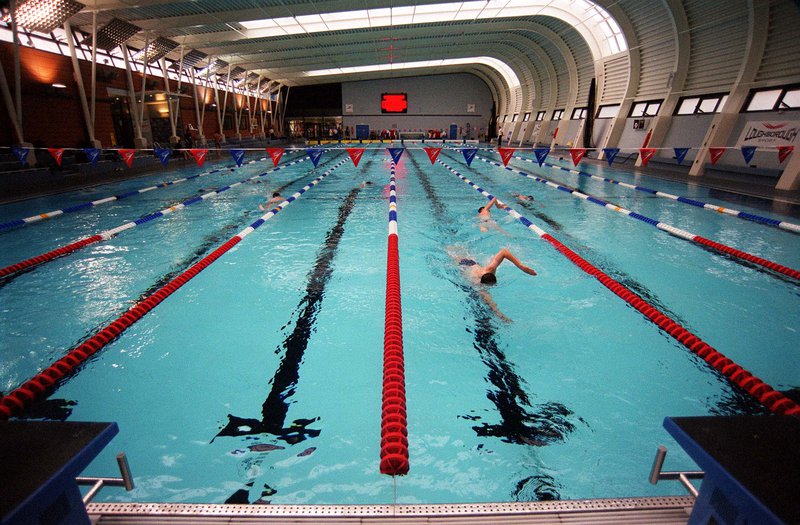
(260, 379)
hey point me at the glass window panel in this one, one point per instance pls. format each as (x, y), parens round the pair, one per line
(638, 109)
(791, 99)
(708, 105)
(514, 118)
(608, 111)
(652, 109)
(540, 116)
(764, 100)
(688, 106)
(526, 117)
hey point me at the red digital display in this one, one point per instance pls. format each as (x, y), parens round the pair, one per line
(394, 103)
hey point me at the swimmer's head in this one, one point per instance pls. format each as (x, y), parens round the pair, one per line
(488, 278)
(480, 209)
(276, 194)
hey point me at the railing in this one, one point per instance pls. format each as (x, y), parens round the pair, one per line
(683, 476)
(98, 483)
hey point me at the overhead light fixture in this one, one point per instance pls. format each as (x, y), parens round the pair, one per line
(114, 34)
(156, 49)
(43, 15)
(59, 86)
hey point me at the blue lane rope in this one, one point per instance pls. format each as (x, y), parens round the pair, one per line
(677, 232)
(789, 226)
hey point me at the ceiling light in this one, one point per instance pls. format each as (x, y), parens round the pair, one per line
(59, 86)
(43, 15)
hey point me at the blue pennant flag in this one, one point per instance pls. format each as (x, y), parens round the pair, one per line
(680, 154)
(163, 155)
(611, 154)
(396, 153)
(315, 154)
(748, 152)
(92, 154)
(21, 154)
(238, 156)
(469, 154)
(541, 154)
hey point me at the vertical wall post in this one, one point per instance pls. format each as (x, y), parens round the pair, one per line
(139, 141)
(76, 70)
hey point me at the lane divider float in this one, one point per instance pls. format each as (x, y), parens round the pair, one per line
(108, 234)
(677, 232)
(86, 205)
(774, 400)
(686, 200)
(394, 427)
(16, 402)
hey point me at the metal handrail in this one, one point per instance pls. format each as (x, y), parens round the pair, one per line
(683, 476)
(98, 483)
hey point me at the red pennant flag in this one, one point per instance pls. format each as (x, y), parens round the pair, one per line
(577, 154)
(276, 154)
(715, 153)
(646, 154)
(355, 155)
(199, 156)
(127, 156)
(57, 153)
(555, 133)
(783, 152)
(505, 154)
(433, 153)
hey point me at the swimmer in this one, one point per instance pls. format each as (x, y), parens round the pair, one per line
(485, 216)
(365, 183)
(525, 198)
(276, 198)
(478, 274)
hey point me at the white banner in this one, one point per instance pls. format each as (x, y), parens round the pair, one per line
(769, 134)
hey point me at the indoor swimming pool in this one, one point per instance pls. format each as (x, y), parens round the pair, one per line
(259, 380)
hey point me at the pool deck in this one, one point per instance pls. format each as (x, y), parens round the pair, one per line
(656, 510)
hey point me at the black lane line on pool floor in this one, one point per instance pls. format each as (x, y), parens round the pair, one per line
(549, 422)
(733, 400)
(284, 382)
(60, 409)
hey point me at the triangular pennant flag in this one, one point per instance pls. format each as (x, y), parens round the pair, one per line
(92, 154)
(238, 156)
(469, 154)
(396, 153)
(783, 152)
(127, 156)
(541, 154)
(199, 156)
(577, 154)
(275, 154)
(505, 154)
(715, 154)
(355, 155)
(57, 153)
(646, 154)
(163, 155)
(315, 154)
(680, 154)
(611, 154)
(747, 153)
(21, 154)
(433, 153)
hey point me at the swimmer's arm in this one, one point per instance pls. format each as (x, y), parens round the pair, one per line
(487, 298)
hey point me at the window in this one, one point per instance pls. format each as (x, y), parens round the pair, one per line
(557, 114)
(702, 104)
(608, 111)
(526, 117)
(774, 99)
(540, 116)
(505, 117)
(578, 113)
(646, 109)
(514, 118)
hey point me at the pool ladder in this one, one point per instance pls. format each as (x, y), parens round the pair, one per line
(98, 483)
(683, 476)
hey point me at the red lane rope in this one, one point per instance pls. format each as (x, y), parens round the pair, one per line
(49, 256)
(394, 426)
(748, 257)
(769, 397)
(17, 401)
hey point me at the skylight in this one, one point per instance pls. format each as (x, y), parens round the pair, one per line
(501, 67)
(599, 29)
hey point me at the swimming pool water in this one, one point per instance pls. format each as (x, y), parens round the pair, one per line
(260, 379)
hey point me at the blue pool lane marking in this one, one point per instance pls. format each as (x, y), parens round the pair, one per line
(86, 205)
(789, 226)
(677, 232)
